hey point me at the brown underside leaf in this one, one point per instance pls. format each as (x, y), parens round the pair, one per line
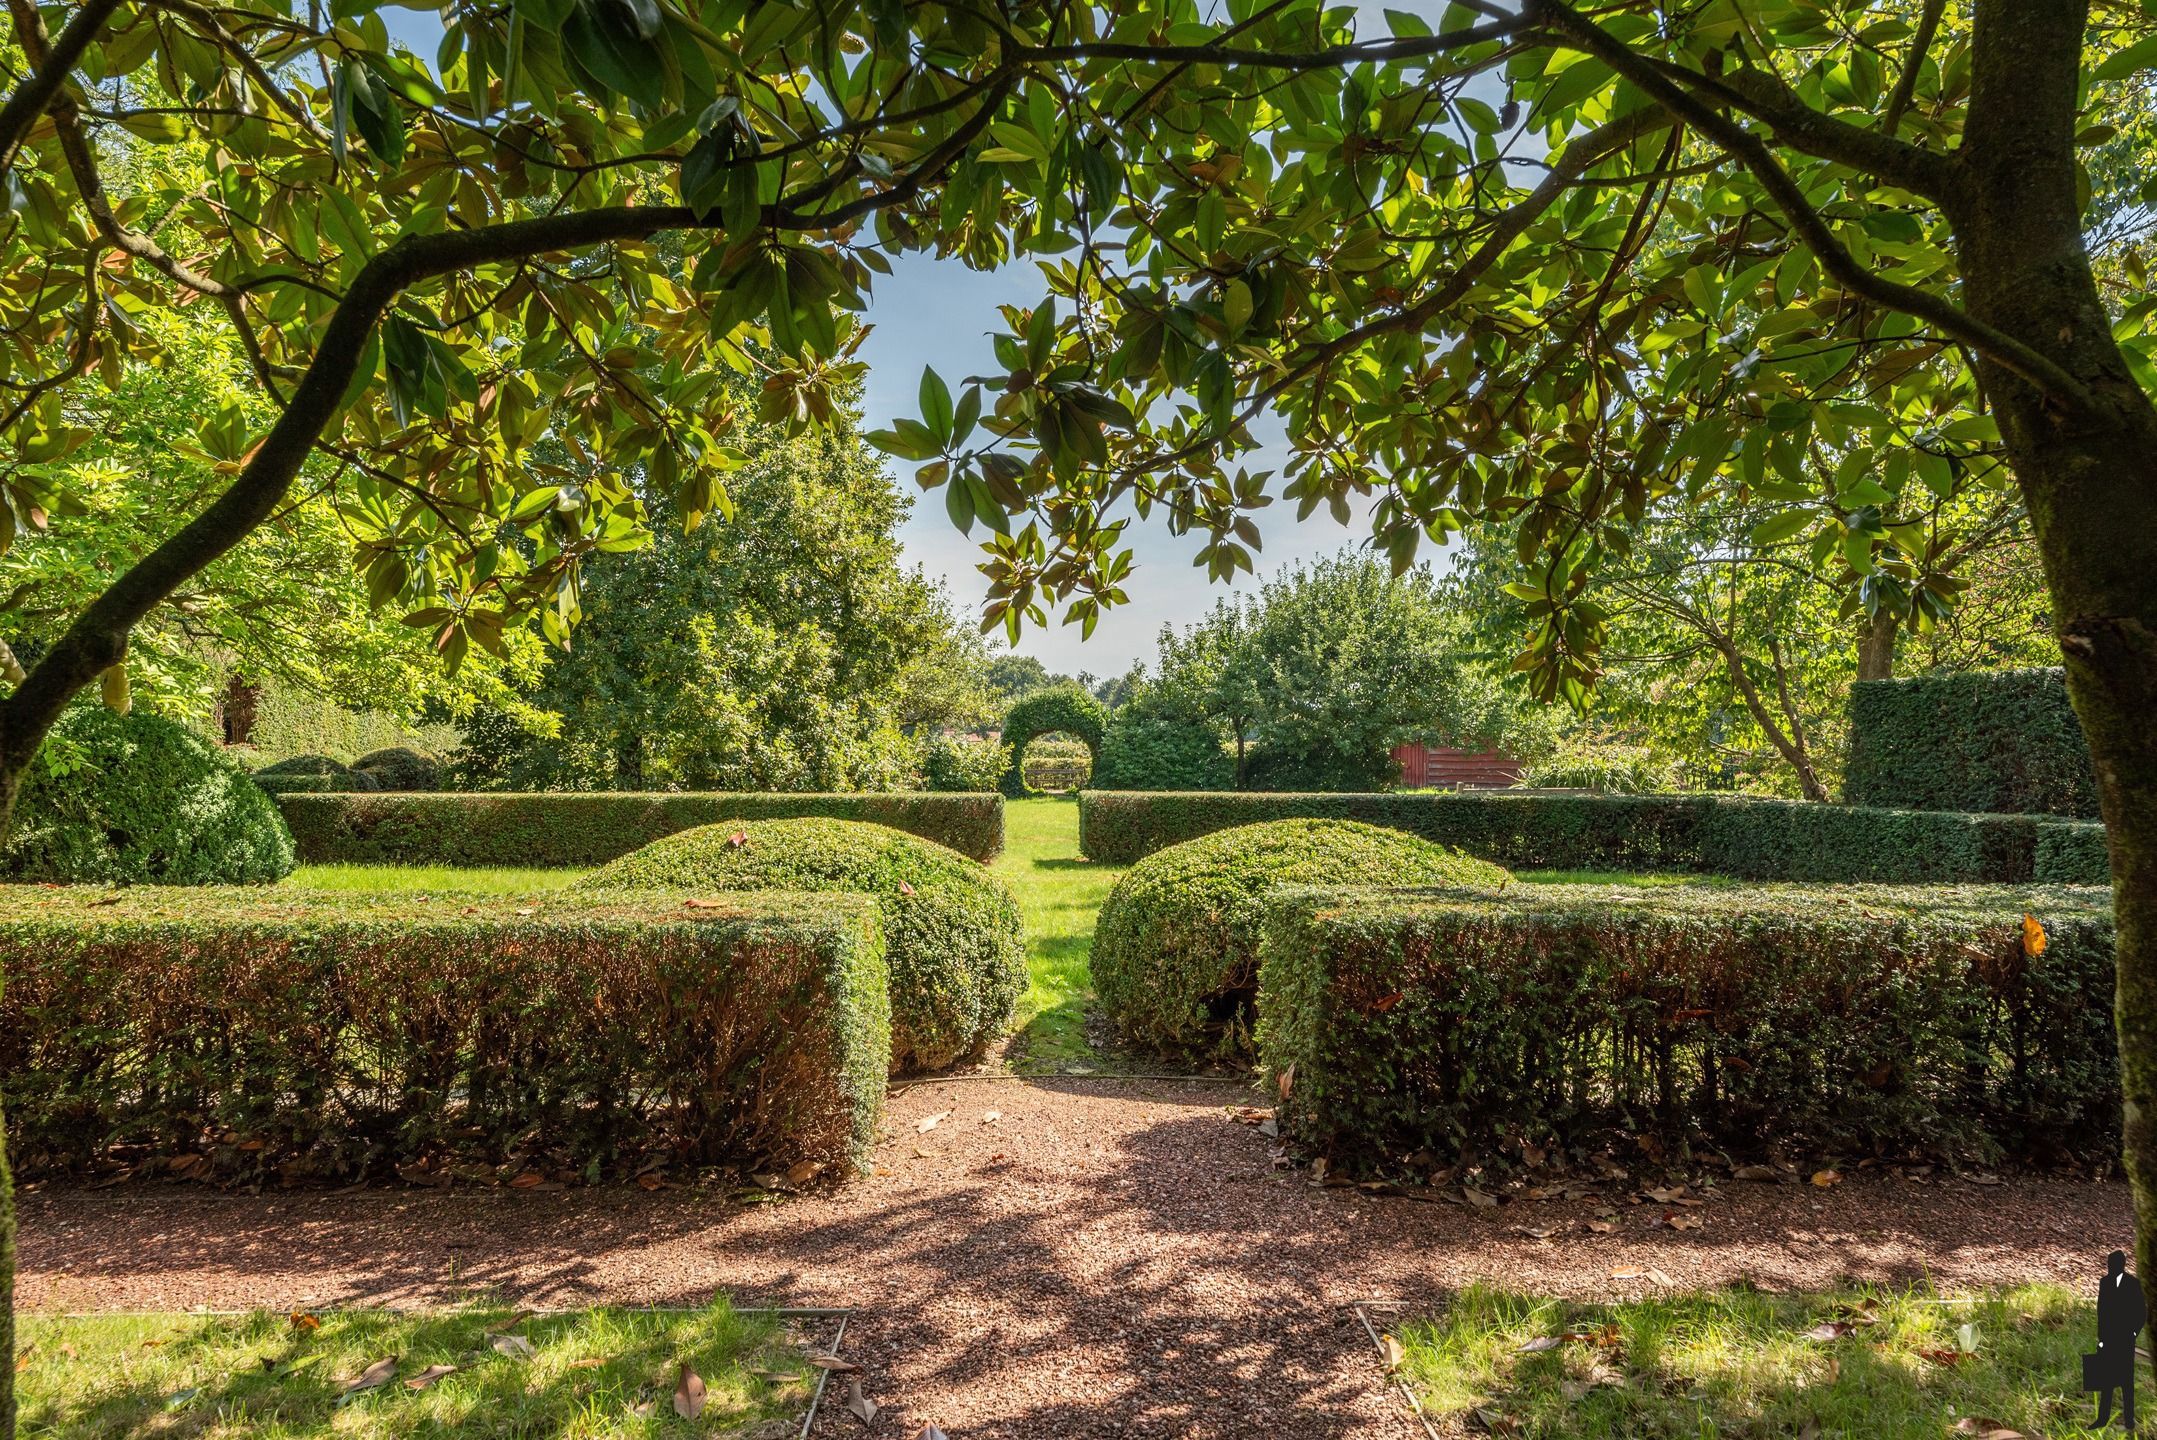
(689, 1394)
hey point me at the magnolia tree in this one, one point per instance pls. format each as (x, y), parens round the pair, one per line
(1512, 260)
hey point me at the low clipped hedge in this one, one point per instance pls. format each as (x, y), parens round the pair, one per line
(956, 941)
(140, 800)
(584, 829)
(1999, 740)
(1744, 837)
(1891, 1020)
(281, 1034)
(1175, 951)
(399, 767)
(311, 775)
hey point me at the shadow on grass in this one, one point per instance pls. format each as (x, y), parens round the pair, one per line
(1891, 1364)
(596, 1373)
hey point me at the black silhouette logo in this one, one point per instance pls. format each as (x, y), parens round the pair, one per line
(2121, 1313)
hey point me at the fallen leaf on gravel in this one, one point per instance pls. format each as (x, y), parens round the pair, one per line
(923, 1152)
(1269, 1127)
(1985, 1428)
(1679, 1220)
(1829, 1330)
(1534, 1232)
(530, 1179)
(1497, 1422)
(832, 1363)
(803, 1171)
(1979, 1177)
(1287, 1081)
(863, 1407)
(930, 1432)
(1756, 1172)
(1826, 1178)
(428, 1376)
(1539, 1344)
(929, 1122)
(689, 1393)
(990, 1117)
(650, 1182)
(379, 1373)
(516, 1347)
(1603, 1224)
(1478, 1199)
(1665, 1197)
(1391, 1351)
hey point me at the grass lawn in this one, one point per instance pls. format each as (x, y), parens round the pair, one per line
(594, 1373)
(1882, 1365)
(1060, 891)
(427, 879)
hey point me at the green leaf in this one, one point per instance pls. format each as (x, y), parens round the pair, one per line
(936, 410)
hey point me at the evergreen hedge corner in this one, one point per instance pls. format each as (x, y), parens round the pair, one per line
(1068, 708)
(141, 800)
(2002, 741)
(280, 1035)
(1881, 1020)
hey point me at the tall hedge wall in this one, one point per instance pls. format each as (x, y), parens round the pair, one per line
(593, 828)
(1871, 1019)
(253, 1035)
(2005, 741)
(1754, 839)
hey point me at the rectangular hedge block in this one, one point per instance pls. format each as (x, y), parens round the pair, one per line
(591, 828)
(1743, 837)
(1997, 741)
(277, 1034)
(1869, 1019)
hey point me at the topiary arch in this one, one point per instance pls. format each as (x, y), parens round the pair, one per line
(1064, 707)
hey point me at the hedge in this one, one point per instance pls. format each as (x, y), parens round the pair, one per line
(2003, 740)
(398, 767)
(1175, 951)
(140, 800)
(1143, 752)
(953, 931)
(1067, 708)
(1748, 838)
(281, 1034)
(1866, 1019)
(593, 828)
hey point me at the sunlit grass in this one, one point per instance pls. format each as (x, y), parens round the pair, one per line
(1743, 1363)
(428, 879)
(1636, 879)
(590, 1374)
(1061, 892)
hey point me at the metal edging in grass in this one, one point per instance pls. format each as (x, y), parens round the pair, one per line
(823, 1377)
(1415, 1406)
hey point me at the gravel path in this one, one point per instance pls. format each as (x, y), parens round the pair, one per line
(1102, 1259)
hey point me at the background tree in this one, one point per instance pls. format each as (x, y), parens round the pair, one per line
(1522, 263)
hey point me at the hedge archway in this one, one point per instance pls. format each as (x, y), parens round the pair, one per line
(1064, 707)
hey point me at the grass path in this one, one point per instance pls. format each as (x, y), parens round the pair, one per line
(1061, 892)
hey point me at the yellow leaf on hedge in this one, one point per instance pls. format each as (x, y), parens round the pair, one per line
(2033, 936)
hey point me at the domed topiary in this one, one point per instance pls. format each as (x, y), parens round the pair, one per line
(311, 774)
(952, 931)
(1175, 952)
(399, 767)
(137, 799)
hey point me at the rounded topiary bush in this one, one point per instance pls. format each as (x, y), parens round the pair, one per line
(952, 931)
(136, 799)
(311, 774)
(399, 767)
(1175, 952)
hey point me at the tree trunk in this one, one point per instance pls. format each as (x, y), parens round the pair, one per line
(2088, 474)
(243, 698)
(1876, 647)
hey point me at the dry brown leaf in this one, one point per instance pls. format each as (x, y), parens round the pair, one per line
(1534, 1232)
(589, 1362)
(990, 1117)
(305, 1323)
(428, 1376)
(801, 1172)
(1391, 1351)
(1539, 1344)
(1829, 1330)
(1287, 1081)
(528, 1180)
(930, 1432)
(1479, 1199)
(516, 1347)
(862, 1406)
(1983, 1427)
(1826, 1178)
(1679, 1220)
(1603, 1224)
(2033, 936)
(22, 1358)
(738, 839)
(510, 1324)
(689, 1393)
(379, 1373)
(650, 1182)
(694, 904)
(833, 1363)
(929, 1122)
(1665, 1197)
(905, 889)
(1767, 1173)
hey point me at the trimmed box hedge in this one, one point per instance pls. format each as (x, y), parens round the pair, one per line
(1175, 952)
(1873, 1019)
(255, 1035)
(591, 828)
(1743, 837)
(953, 933)
(2001, 740)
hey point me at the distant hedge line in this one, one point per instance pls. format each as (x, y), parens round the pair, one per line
(1881, 1021)
(1752, 839)
(255, 1035)
(591, 828)
(2005, 741)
